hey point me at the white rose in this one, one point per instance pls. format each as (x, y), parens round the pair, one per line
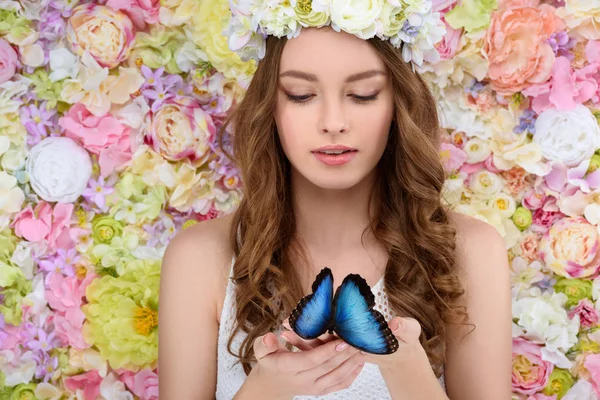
(567, 136)
(358, 17)
(477, 150)
(485, 184)
(504, 203)
(58, 169)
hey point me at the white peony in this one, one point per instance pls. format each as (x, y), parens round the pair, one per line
(58, 169)
(567, 136)
(358, 17)
(546, 317)
(477, 150)
(504, 204)
(485, 184)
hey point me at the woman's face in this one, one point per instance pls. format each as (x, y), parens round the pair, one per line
(334, 90)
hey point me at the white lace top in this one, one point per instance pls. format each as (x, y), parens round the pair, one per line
(230, 376)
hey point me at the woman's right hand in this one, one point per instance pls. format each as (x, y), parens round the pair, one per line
(282, 374)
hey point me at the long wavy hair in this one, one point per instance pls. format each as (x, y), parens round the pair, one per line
(411, 222)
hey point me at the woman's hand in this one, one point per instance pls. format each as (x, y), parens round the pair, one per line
(282, 374)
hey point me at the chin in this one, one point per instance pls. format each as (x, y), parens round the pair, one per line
(334, 180)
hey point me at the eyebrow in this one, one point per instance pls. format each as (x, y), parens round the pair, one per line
(313, 78)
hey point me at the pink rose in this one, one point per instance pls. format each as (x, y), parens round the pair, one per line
(8, 61)
(104, 136)
(449, 43)
(529, 372)
(543, 219)
(181, 129)
(45, 223)
(141, 12)
(566, 89)
(143, 384)
(452, 157)
(88, 382)
(516, 47)
(534, 199)
(588, 316)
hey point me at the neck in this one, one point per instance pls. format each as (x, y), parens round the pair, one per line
(329, 221)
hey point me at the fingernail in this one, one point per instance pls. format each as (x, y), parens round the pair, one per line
(361, 363)
(341, 346)
(264, 340)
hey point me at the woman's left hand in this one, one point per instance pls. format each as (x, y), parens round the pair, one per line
(406, 330)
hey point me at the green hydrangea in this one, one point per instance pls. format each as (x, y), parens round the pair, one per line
(122, 316)
(45, 89)
(115, 257)
(575, 289)
(136, 202)
(13, 27)
(471, 14)
(24, 392)
(14, 286)
(157, 48)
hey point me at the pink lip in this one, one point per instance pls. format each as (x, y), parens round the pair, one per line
(332, 160)
(335, 147)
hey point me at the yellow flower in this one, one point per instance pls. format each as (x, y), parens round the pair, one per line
(209, 21)
(193, 190)
(582, 18)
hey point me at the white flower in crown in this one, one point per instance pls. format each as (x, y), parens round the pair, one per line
(359, 17)
(408, 24)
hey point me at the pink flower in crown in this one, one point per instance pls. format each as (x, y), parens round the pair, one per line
(592, 364)
(88, 382)
(516, 47)
(449, 44)
(181, 129)
(570, 248)
(141, 12)
(143, 384)
(8, 61)
(108, 35)
(588, 315)
(530, 373)
(566, 89)
(45, 224)
(104, 136)
(452, 157)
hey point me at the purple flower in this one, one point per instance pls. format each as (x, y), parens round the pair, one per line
(561, 44)
(475, 88)
(57, 264)
(97, 191)
(38, 121)
(43, 341)
(152, 78)
(46, 365)
(526, 122)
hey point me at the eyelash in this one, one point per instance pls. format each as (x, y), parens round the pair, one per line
(358, 99)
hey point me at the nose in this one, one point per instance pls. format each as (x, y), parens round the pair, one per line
(333, 117)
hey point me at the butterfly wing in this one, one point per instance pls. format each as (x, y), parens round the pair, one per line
(356, 322)
(312, 315)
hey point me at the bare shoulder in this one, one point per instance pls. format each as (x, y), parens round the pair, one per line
(193, 279)
(478, 365)
(476, 240)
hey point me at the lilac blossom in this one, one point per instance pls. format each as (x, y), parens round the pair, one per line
(43, 341)
(46, 365)
(475, 88)
(97, 191)
(561, 44)
(526, 122)
(38, 120)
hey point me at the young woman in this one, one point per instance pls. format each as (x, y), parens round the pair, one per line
(440, 279)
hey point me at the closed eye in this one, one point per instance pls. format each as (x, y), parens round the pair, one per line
(305, 98)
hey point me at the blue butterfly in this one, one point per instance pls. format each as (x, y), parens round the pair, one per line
(349, 313)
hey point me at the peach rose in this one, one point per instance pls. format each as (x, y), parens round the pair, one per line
(570, 248)
(516, 47)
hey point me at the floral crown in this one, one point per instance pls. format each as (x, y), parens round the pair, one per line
(409, 24)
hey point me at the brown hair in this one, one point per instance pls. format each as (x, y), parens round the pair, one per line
(421, 275)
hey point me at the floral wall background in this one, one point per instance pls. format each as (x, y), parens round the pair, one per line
(108, 116)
